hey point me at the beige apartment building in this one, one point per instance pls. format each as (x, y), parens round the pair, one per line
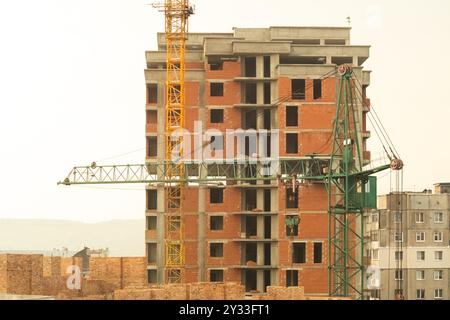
(411, 245)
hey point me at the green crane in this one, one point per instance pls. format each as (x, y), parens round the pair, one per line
(342, 172)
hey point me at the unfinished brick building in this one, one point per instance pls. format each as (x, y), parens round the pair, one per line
(262, 79)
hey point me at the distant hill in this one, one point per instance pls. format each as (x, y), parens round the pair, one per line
(122, 237)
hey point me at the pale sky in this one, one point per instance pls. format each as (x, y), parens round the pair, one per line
(72, 89)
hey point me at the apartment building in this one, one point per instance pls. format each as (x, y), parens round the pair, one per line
(257, 233)
(416, 239)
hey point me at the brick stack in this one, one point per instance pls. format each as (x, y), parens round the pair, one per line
(20, 273)
(284, 293)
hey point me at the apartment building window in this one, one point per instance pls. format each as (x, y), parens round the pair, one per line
(375, 254)
(438, 293)
(420, 255)
(397, 217)
(317, 89)
(318, 252)
(438, 217)
(152, 147)
(438, 255)
(374, 236)
(420, 294)
(216, 196)
(291, 116)
(420, 217)
(375, 217)
(152, 93)
(151, 253)
(216, 250)
(216, 115)
(216, 275)
(292, 143)
(291, 278)
(398, 236)
(292, 198)
(420, 236)
(292, 231)
(438, 237)
(151, 223)
(299, 252)
(216, 223)
(398, 255)
(438, 275)
(152, 117)
(398, 275)
(152, 197)
(298, 89)
(420, 275)
(216, 89)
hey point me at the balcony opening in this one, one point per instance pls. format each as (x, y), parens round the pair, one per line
(298, 89)
(250, 280)
(250, 254)
(152, 116)
(335, 42)
(151, 223)
(250, 200)
(216, 250)
(318, 252)
(152, 93)
(267, 254)
(292, 198)
(216, 275)
(267, 227)
(250, 66)
(216, 223)
(151, 253)
(267, 93)
(216, 89)
(267, 279)
(291, 278)
(152, 147)
(216, 196)
(267, 67)
(291, 116)
(317, 88)
(249, 119)
(299, 252)
(152, 276)
(250, 93)
(152, 199)
(267, 200)
(251, 230)
(341, 60)
(292, 143)
(216, 115)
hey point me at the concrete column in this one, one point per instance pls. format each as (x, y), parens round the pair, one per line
(202, 197)
(260, 280)
(322, 42)
(328, 61)
(355, 61)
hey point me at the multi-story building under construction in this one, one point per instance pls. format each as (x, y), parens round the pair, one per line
(278, 78)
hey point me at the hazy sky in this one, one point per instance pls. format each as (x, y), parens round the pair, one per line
(72, 89)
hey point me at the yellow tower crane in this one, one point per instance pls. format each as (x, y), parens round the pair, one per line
(176, 13)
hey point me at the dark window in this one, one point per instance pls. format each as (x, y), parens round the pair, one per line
(217, 143)
(216, 250)
(216, 115)
(217, 89)
(318, 252)
(267, 254)
(267, 119)
(267, 200)
(250, 200)
(216, 195)
(298, 89)
(216, 222)
(291, 198)
(250, 66)
(152, 276)
(151, 253)
(152, 93)
(267, 93)
(291, 143)
(152, 196)
(317, 89)
(216, 275)
(151, 223)
(152, 116)
(267, 67)
(251, 229)
(152, 150)
(292, 231)
(291, 278)
(250, 93)
(267, 227)
(291, 116)
(299, 252)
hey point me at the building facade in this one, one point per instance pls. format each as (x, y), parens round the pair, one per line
(421, 248)
(263, 79)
